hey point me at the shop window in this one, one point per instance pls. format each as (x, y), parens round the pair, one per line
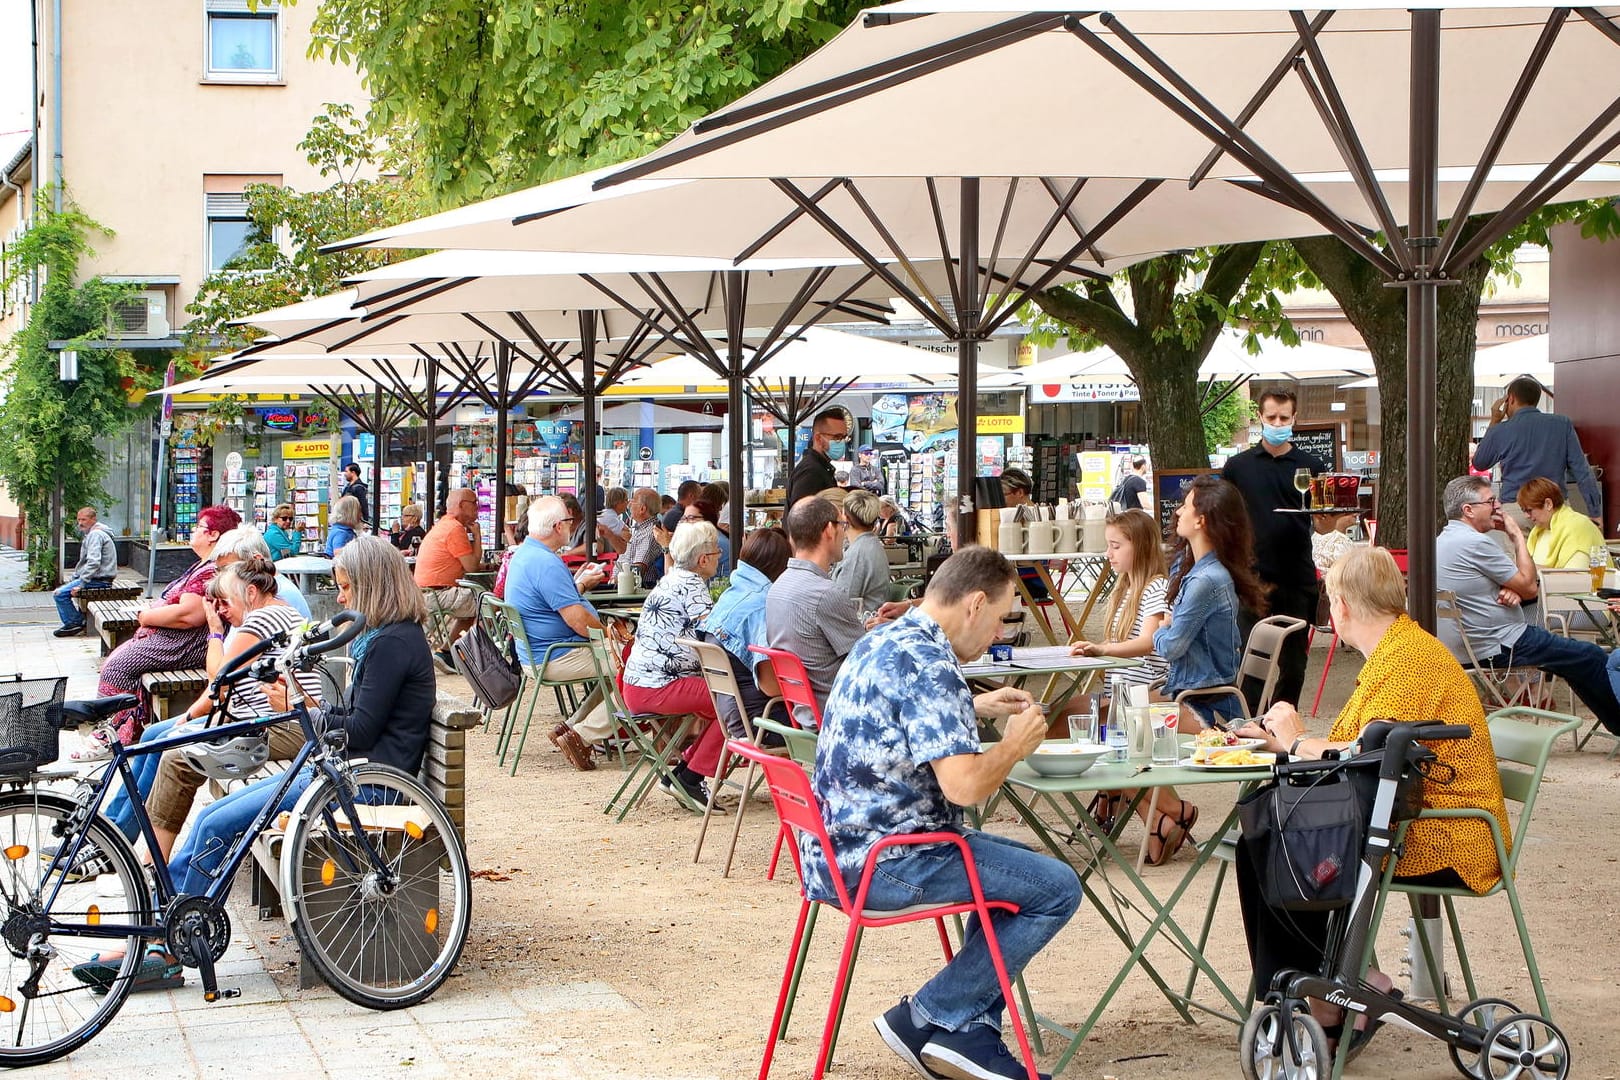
(243, 43)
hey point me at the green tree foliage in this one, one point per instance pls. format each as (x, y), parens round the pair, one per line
(282, 262)
(1226, 415)
(494, 95)
(51, 427)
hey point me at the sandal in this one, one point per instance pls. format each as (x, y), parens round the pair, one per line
(158, 971)
(1180, 829)
(97, 747)
(1104, 807)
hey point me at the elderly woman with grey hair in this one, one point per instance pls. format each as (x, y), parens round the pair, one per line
(663, 676)
(864, 569)
(345, 524)
(244, 542)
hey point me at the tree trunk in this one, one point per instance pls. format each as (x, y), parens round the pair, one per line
(1378, 313)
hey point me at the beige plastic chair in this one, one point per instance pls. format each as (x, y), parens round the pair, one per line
(722, 683)
(1262, 659)
(1503, 687)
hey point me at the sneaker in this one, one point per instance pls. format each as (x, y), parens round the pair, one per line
(906, 1038)
(444, 663)
(974, 1053)
(90, 865)
(680, 783)
(68, 631)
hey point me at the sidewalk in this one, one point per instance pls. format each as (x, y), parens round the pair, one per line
(473, 1023)
(17, 606)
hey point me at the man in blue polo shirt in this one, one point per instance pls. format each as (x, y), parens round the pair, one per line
(550, 600)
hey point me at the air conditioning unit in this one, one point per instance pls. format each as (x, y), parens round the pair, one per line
(144, 315)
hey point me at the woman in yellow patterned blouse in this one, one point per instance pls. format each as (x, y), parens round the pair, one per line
(1409, 676)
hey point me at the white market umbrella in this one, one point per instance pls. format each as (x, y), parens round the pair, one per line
(1524, 356)
(1228, 359)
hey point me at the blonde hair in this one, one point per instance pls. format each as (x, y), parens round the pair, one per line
(1369, 582)
(346, 511)
(380, 584)
(1147, 565)
(284, 508)
(861, 508)
(412, 511)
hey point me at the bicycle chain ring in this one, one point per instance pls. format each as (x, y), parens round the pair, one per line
(195, 911)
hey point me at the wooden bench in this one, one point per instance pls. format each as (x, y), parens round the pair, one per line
(170, 691)
(119, 590)
(443, 770)
(114, 620)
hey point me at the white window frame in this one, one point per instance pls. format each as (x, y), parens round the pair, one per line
(265, 11)
(220, 207)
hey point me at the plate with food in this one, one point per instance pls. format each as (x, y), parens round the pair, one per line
(1218, 738)
(1225, 758)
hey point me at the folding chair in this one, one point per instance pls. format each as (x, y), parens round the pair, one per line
(796, 807)
(500, 618)
(654, 736)
(1523, 746)
(1262, 659)
(1503, 687)
(793, 683)
(722, 683)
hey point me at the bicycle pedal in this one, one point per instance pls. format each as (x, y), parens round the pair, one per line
(221, 994)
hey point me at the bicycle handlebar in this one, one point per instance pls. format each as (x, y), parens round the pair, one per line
(315, 641)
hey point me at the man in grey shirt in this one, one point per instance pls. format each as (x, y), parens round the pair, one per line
(1491, 586)
(806, 612)
(96, 568)
(1528, 443)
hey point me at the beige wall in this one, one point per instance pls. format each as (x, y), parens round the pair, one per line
(14, 210)
(141, 128)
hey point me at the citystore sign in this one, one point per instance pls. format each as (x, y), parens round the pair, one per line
(1069, 393)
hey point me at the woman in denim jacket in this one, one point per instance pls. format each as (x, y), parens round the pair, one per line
(1211, 572)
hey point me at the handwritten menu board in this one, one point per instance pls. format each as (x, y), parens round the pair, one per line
(1170, 491)
(1321, 441)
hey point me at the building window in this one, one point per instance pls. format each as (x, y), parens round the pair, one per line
(229, 230)
(244, 44)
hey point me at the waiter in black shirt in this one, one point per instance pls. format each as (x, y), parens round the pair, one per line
(357, 487)
(829, 441)
(1264, 473)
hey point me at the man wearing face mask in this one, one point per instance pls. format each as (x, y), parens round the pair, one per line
(829, 441)
(1264, 473)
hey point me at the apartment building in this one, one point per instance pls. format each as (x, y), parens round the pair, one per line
(153, 118)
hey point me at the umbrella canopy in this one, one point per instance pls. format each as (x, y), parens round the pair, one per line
(1526, 356)
(665, 418)
(1228, 359)
(819, 353)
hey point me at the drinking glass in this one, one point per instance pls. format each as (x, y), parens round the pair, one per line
(1302, 484)
(1079, 727)
(1166, 739)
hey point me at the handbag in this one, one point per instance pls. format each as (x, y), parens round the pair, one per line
(492, 671)
(1306, 840)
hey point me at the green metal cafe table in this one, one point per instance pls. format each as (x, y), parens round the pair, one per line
(1056, 809)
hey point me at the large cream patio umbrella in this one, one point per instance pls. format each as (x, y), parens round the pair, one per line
(1256, 93)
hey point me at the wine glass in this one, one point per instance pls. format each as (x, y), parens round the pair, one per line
(1302, 484)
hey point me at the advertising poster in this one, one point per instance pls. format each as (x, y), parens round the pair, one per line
(889, 414)
(930, 421)
(1096, 475)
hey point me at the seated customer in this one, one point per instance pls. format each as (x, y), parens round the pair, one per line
(244, 542)
(453, 547)
(408, 537)
(899, 752)
(664, 677)
(806, 612)
(704, 510)
(641, 548)
(1409, 676)
(738, 621)
(549, 600)
(1491, 585)
(1561, 537)
(346, 518)
(281, 534)
(864, 569)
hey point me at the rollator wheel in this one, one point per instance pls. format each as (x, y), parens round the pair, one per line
(1524, 1046)
(1264, 1054)
(1483, 1013)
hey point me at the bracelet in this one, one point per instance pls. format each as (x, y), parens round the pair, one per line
(1293, 751)
(216, 637)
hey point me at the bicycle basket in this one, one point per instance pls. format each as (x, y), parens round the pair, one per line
(30, 722)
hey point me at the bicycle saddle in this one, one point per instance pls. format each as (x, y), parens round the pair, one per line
(94, 709)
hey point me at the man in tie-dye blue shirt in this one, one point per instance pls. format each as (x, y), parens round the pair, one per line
(899, 753)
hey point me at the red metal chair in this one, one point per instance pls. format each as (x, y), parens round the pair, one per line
(793, 682)
(795, 803)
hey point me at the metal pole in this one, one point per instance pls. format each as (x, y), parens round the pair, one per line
(503, 382)
(587, 444)
(431, 477)
(157, 480)
(378, 434)
(1422, 317)
(736, 408)
(967, 360)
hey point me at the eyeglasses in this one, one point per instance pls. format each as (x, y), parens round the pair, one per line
(569, 521)
(285, 517)
(1492, 501)
(691, 517)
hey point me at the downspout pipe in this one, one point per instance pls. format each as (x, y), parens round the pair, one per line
(56, 106)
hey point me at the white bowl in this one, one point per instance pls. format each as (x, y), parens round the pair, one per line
(1061, 757)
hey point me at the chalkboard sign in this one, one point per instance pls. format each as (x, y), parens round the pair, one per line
(1321, 441)
(1170, 491)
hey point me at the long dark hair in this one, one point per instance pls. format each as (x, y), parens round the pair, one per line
(1226, 522)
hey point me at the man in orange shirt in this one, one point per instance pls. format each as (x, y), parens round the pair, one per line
(452, 548)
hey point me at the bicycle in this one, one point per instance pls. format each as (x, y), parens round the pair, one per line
(373, 874)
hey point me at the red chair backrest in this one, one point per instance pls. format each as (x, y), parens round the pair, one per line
(1399, 555)
(793, 680)
(796, 807)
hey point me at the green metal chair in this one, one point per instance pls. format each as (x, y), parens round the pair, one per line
(1522, 748)
(500, 618)
(654, 737)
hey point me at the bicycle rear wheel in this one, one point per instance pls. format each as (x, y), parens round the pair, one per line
(66, 1010)
(383, 936)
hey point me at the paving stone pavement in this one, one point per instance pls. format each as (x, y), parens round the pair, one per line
(470, 1024)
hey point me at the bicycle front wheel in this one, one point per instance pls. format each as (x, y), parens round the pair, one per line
(382, 913)
(57, 990)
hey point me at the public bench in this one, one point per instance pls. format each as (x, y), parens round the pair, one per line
(171, 691)
(122, 590)
(114, 621)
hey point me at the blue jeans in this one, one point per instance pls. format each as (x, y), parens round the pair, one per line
(193, 865)
(1046, 890)
(66, 609)
(1580, 663)
(119, 809)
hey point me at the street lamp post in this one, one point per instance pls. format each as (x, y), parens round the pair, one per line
(67, 373)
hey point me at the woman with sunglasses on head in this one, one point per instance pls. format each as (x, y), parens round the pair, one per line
(284, 539)
(171, 635)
